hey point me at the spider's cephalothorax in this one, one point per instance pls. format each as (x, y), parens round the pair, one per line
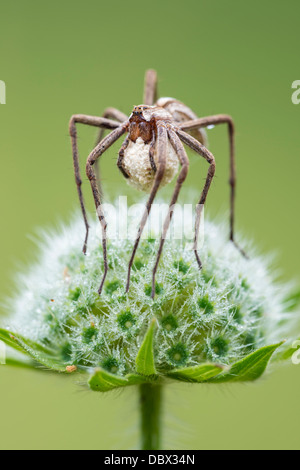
(150, 157)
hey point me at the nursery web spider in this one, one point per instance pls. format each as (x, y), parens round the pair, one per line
(156, 131)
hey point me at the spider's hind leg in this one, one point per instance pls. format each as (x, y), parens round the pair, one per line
(150, 88)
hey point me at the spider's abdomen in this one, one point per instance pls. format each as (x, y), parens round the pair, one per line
(137, 165)
(181, 113)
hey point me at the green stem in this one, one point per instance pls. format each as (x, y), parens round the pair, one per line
(150, 402)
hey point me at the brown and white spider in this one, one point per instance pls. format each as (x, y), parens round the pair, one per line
(149, 158)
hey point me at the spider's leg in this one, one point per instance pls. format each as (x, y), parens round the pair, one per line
(201, 150)
(183, 158)
(162, 141)
(92, 158)
(150, 87)
(215, 120)
(109, 113)
(90, 121)
(121, 157)
(151, 153)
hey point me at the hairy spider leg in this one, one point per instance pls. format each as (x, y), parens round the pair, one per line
(151, 153)
(90, 121)
(92, 158)
(195, 145)
(150, 87)
(215, 120)
(110, 113)
(184, 161)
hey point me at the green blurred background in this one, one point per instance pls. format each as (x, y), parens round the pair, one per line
(63, 57)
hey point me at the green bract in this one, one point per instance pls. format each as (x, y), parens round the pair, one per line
(222, 324)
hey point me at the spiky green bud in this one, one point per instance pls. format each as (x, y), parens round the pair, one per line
(219, 324)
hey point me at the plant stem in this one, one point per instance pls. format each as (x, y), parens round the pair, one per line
(150, 403)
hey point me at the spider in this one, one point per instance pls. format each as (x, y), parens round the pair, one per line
(149, 158)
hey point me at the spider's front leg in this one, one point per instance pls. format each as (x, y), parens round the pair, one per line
(90, 121)
(184, 161)
(201, 150)
(93, 157)
(162, 142)
(109, 113)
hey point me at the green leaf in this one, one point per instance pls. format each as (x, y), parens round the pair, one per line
(249, 368)
(13, 340)
(145, 357)
(103, 381)
(198, 374)
(26, 363)
(37, 352)
(7, 338)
